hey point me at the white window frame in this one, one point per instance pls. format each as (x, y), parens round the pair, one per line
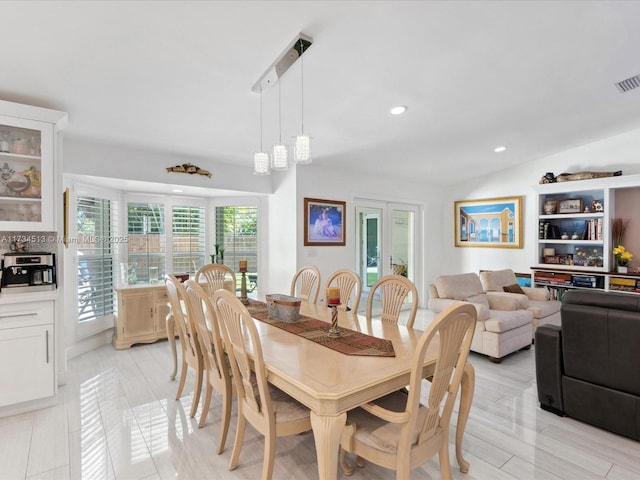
(89, 327)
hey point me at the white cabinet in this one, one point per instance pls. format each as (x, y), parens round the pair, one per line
(29, 167)
(27, 352)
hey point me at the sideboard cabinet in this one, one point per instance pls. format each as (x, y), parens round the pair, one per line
(141, 315)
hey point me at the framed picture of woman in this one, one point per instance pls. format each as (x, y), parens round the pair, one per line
(324, 222)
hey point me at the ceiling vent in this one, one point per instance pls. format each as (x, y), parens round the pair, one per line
(628, 84)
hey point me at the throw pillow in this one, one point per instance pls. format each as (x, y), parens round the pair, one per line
(515, 288)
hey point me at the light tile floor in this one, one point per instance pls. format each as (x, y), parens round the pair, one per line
(117, 419)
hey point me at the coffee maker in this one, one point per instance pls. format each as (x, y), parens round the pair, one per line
(28, 272)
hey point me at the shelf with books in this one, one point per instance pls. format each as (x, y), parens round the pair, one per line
(573, 248)
(627, 283)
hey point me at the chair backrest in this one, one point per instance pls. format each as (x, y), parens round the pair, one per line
(309, 284)
(394, 290)
(186, 330)
(241, 338)
(454, 329)
(350, 285)
(215, 274)
(208, 329)
(494, 281)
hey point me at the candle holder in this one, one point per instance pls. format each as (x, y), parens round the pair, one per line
(334, 331)
(243, 289)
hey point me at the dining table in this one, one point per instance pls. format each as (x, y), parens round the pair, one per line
(330, 382)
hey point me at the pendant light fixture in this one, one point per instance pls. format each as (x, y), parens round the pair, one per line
(303, 142)
(280, 161)
(261, 159)
(280, 158)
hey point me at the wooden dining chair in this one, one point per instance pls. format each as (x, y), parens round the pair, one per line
(350, 285)
(309, 284)
(397, 431)
(214, 275)
(269, 410)
(191, 353)
(394, 290)
(216, 362)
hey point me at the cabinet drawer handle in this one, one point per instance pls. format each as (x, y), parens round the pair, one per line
(47, 345)
(13, 315)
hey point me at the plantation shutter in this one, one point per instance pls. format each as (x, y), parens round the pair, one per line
(96, 226)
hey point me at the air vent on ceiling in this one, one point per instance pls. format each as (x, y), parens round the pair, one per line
(628, 84)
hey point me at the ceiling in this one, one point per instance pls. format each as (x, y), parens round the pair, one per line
(537, 77)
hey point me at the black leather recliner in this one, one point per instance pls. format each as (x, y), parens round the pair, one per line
(589, 368)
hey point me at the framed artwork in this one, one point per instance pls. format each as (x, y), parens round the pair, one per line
(570, 205)
(324, 222)
(491, 222)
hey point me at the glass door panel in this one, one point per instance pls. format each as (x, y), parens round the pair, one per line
(403, 233)
(386, 240)
(20, 174)
(370, 264)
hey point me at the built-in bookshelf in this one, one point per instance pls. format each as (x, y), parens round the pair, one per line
(574, 245)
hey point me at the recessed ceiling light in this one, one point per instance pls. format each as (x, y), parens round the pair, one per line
(177, 190)
(398, 110)
(500, 149)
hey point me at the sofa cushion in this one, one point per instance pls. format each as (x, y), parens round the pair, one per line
(507, 301)
(600, 345)
(539, 294)
(500, 321)
(515, 288)
(493, 281)
(544, 309)
(458, 287)
(480, 298)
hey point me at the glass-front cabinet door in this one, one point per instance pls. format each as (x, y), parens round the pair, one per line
(26, 175)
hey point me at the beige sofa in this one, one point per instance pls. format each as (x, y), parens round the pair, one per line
(502, 328)
(536, 300)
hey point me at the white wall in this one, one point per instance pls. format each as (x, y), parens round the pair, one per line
(315, 181)
(84, 157)
(621, 152)
(278, 259)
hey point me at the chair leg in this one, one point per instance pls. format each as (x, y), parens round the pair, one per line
(237, 444)
(205, 404)
(269, 455)
(445, 465)
(226, 417)
(196, 393)
(183, 378)
(346, 468)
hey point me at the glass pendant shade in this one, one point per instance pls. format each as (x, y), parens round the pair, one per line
(303, 149)
(280, 159)
(261, 164)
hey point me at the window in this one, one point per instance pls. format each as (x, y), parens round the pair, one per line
(146, 248)
(95, 230)
(237, 232)
(188, 238)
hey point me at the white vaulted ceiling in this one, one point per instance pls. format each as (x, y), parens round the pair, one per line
(176, 76)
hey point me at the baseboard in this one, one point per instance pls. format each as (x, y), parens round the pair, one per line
(89, 343)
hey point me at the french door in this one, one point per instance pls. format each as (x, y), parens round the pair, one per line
(386, 238)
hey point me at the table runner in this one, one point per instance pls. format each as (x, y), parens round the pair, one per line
(350, 343)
